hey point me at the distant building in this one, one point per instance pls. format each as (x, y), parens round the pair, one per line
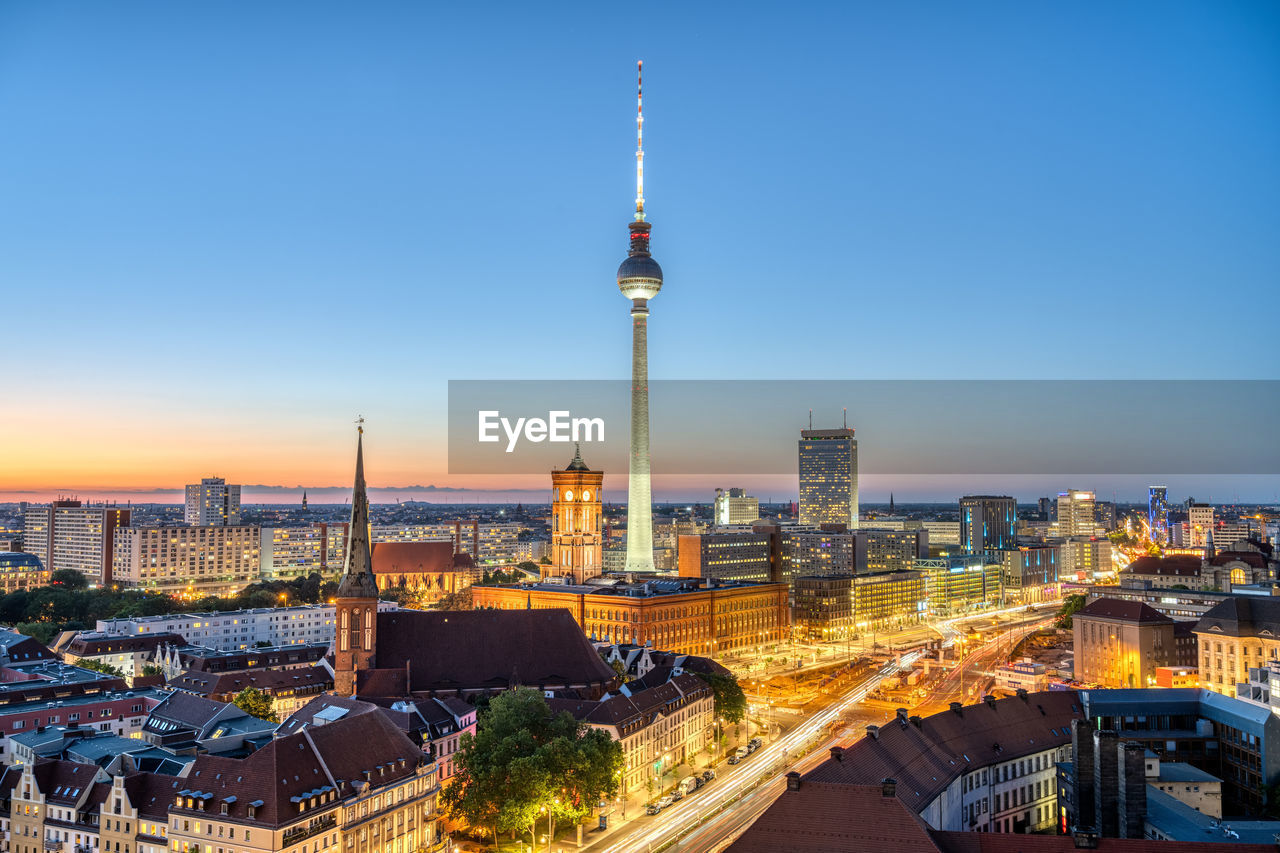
(1239, 634)
(19, 570)
(191, 561)
(1076, 513)
(67, 535)
(1025, 675)
(735, 507)
(988, 523)
(212, 502)
(288, 689)
(294, 552)
(943, 532)
(232, 630)
(489, 543)
(962, 584)
(1123, 643)
(822, 552)
(891, 550)
(1087, 557)
(430, 569)
(829, 477)
(1199, 525)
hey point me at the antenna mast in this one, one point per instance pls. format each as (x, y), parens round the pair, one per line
(639, 141)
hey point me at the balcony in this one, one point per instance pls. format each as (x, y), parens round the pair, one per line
(317, 826)
(52, 844)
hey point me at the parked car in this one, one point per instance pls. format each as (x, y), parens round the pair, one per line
(742, 752)
(664, 802)
(688, 785)
(708, 775)
(734, 759)
(677, 794)
(754, 742)
(652, 808)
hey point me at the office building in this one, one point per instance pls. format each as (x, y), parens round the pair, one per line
(828, 477)
(887, 600)
(212, 502)
(577, 522)
(1088, 557)
(19, 570)
(891, 550)
(822, 552)
(1199, 525)
(1076, 513)
(988, 523)
(943, 533)
(68, 535)
(961, 584)
(191, 561)
(824, 608)
(1122, 643)
(1158, 509)
(735, 507)
(738, 555)
(1030, 572)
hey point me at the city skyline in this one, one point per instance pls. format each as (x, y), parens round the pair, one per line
(972, 159)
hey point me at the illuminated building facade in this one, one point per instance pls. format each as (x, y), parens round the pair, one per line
(737, 555)
(67, 535)
(891, 550)
(735, 507)
(1199, 525)
(684, 616)
(1158, 509)
(822, 552)
(577, 522)
(824, 608)
(291, 552)
(1123, 643)
(888, 599)
(1076, 515)
(212, 502)
(988, 523)
(192, 561)
(1030, 572)
(19, 570)
(828, 477)
(955, 585)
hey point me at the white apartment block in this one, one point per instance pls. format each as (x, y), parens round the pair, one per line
(487, 543)
(735, 507)
(291, 552)
(240, 629)
(1076, 515)
(67, 535)
(212, 501)
(213, 560)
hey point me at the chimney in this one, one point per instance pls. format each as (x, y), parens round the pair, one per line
(793, 781)
(1021, 693)
(837, 752)
(1106, 782)
(990, 700)
(917, 722)
(958, 708)
(1085, 839)
(873, 732)
(1132, 795)
(902, 717)
(1082, 781)
(888, 787)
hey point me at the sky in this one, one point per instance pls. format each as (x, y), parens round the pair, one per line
(227, 230)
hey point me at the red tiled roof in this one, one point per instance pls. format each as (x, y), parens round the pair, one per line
(487, 649)
(825, 817)
(62, 782)
(408, 558)
(1123, 611)
(927, 757)
(1252, 558)
(151, 793)
(299, 764)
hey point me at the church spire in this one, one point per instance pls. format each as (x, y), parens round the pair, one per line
(357, 574)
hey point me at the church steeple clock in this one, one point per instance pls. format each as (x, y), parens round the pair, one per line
(577, 527)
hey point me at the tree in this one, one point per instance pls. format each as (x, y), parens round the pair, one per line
(100, 666)
(529, 566)
(730, 701)
(68, 578)
(460, 600)
(42, 631)
(1072, 605)
(523, 760)
(255, 703)
(152, 669)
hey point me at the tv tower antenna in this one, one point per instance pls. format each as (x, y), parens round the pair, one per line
(639, 141)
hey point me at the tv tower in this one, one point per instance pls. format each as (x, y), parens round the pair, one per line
(639, 279)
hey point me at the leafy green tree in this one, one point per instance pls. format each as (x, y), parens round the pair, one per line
(529, 566)
(100, 666)
(42, 631)
(523, 760)
(1072, 605)
(69, 579)
(255, 703)
(730, 701)
(152, 669)
(460, 600)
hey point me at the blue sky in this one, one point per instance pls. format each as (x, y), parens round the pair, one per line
(228, 228)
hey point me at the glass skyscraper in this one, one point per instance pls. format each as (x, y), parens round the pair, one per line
(988, 523)
(829, 477)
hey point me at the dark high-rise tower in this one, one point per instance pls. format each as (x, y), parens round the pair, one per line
(356, 611)
(639, 279)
